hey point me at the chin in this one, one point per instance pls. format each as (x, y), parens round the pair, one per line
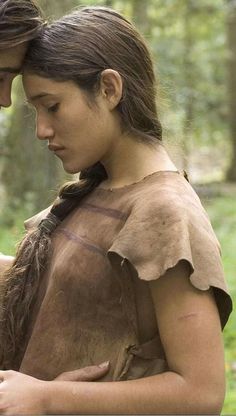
(70, 170)
(73, 169)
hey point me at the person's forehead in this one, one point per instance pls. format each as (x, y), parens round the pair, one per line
(11, 59)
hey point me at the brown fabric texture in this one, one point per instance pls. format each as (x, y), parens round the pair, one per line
(104, 254)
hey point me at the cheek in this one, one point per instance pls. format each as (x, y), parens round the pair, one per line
(86, 129)
(73, 123)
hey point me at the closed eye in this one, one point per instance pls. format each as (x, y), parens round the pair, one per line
(54, 108)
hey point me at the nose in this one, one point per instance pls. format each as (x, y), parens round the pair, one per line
(44, 130)
(5, 95)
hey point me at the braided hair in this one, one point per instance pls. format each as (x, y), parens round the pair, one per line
(23, 278)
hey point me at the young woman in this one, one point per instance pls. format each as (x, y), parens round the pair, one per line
(124, 266)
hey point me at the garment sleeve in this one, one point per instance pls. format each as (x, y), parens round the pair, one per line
(156, 236)
(34, 221)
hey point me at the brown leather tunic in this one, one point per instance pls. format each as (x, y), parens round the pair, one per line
(104, 254)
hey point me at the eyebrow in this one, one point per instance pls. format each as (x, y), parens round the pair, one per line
(38, 96)
(10, 69)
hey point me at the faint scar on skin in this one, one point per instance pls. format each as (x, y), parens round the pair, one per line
(189, 315)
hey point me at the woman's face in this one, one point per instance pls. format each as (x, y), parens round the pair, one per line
(78, 132)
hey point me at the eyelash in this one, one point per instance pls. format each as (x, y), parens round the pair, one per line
(54, 108)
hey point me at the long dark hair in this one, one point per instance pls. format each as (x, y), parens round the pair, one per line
(20, 21)
(78, 47)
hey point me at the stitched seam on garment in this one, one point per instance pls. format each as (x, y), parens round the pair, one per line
(75, 237)
(108, 212)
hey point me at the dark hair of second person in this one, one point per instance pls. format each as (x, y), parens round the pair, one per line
(20, 21)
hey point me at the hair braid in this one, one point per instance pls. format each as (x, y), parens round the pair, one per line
(23, 277)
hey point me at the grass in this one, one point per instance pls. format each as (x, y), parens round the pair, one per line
(223, 216)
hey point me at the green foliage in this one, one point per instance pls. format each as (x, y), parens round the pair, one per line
(190, 51)
(12, 224)
(10, 237)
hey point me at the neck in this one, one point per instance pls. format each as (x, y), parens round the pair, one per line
(131, 160)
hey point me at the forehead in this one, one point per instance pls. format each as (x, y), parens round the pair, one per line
(36, 87)
(11, 59)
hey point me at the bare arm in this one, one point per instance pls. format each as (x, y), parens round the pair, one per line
(191, 334)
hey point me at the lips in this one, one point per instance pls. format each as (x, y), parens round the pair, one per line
(55, 148)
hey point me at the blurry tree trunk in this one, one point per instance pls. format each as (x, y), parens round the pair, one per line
(188, 77)
(109, 3)
(231, 31)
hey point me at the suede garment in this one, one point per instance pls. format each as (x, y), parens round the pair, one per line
(96, 288)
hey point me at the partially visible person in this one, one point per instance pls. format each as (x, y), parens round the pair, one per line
(20, 21)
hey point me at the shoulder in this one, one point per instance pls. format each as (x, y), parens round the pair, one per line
(169, 196)
(168, 224)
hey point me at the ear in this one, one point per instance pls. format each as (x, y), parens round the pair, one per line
(111, 87)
